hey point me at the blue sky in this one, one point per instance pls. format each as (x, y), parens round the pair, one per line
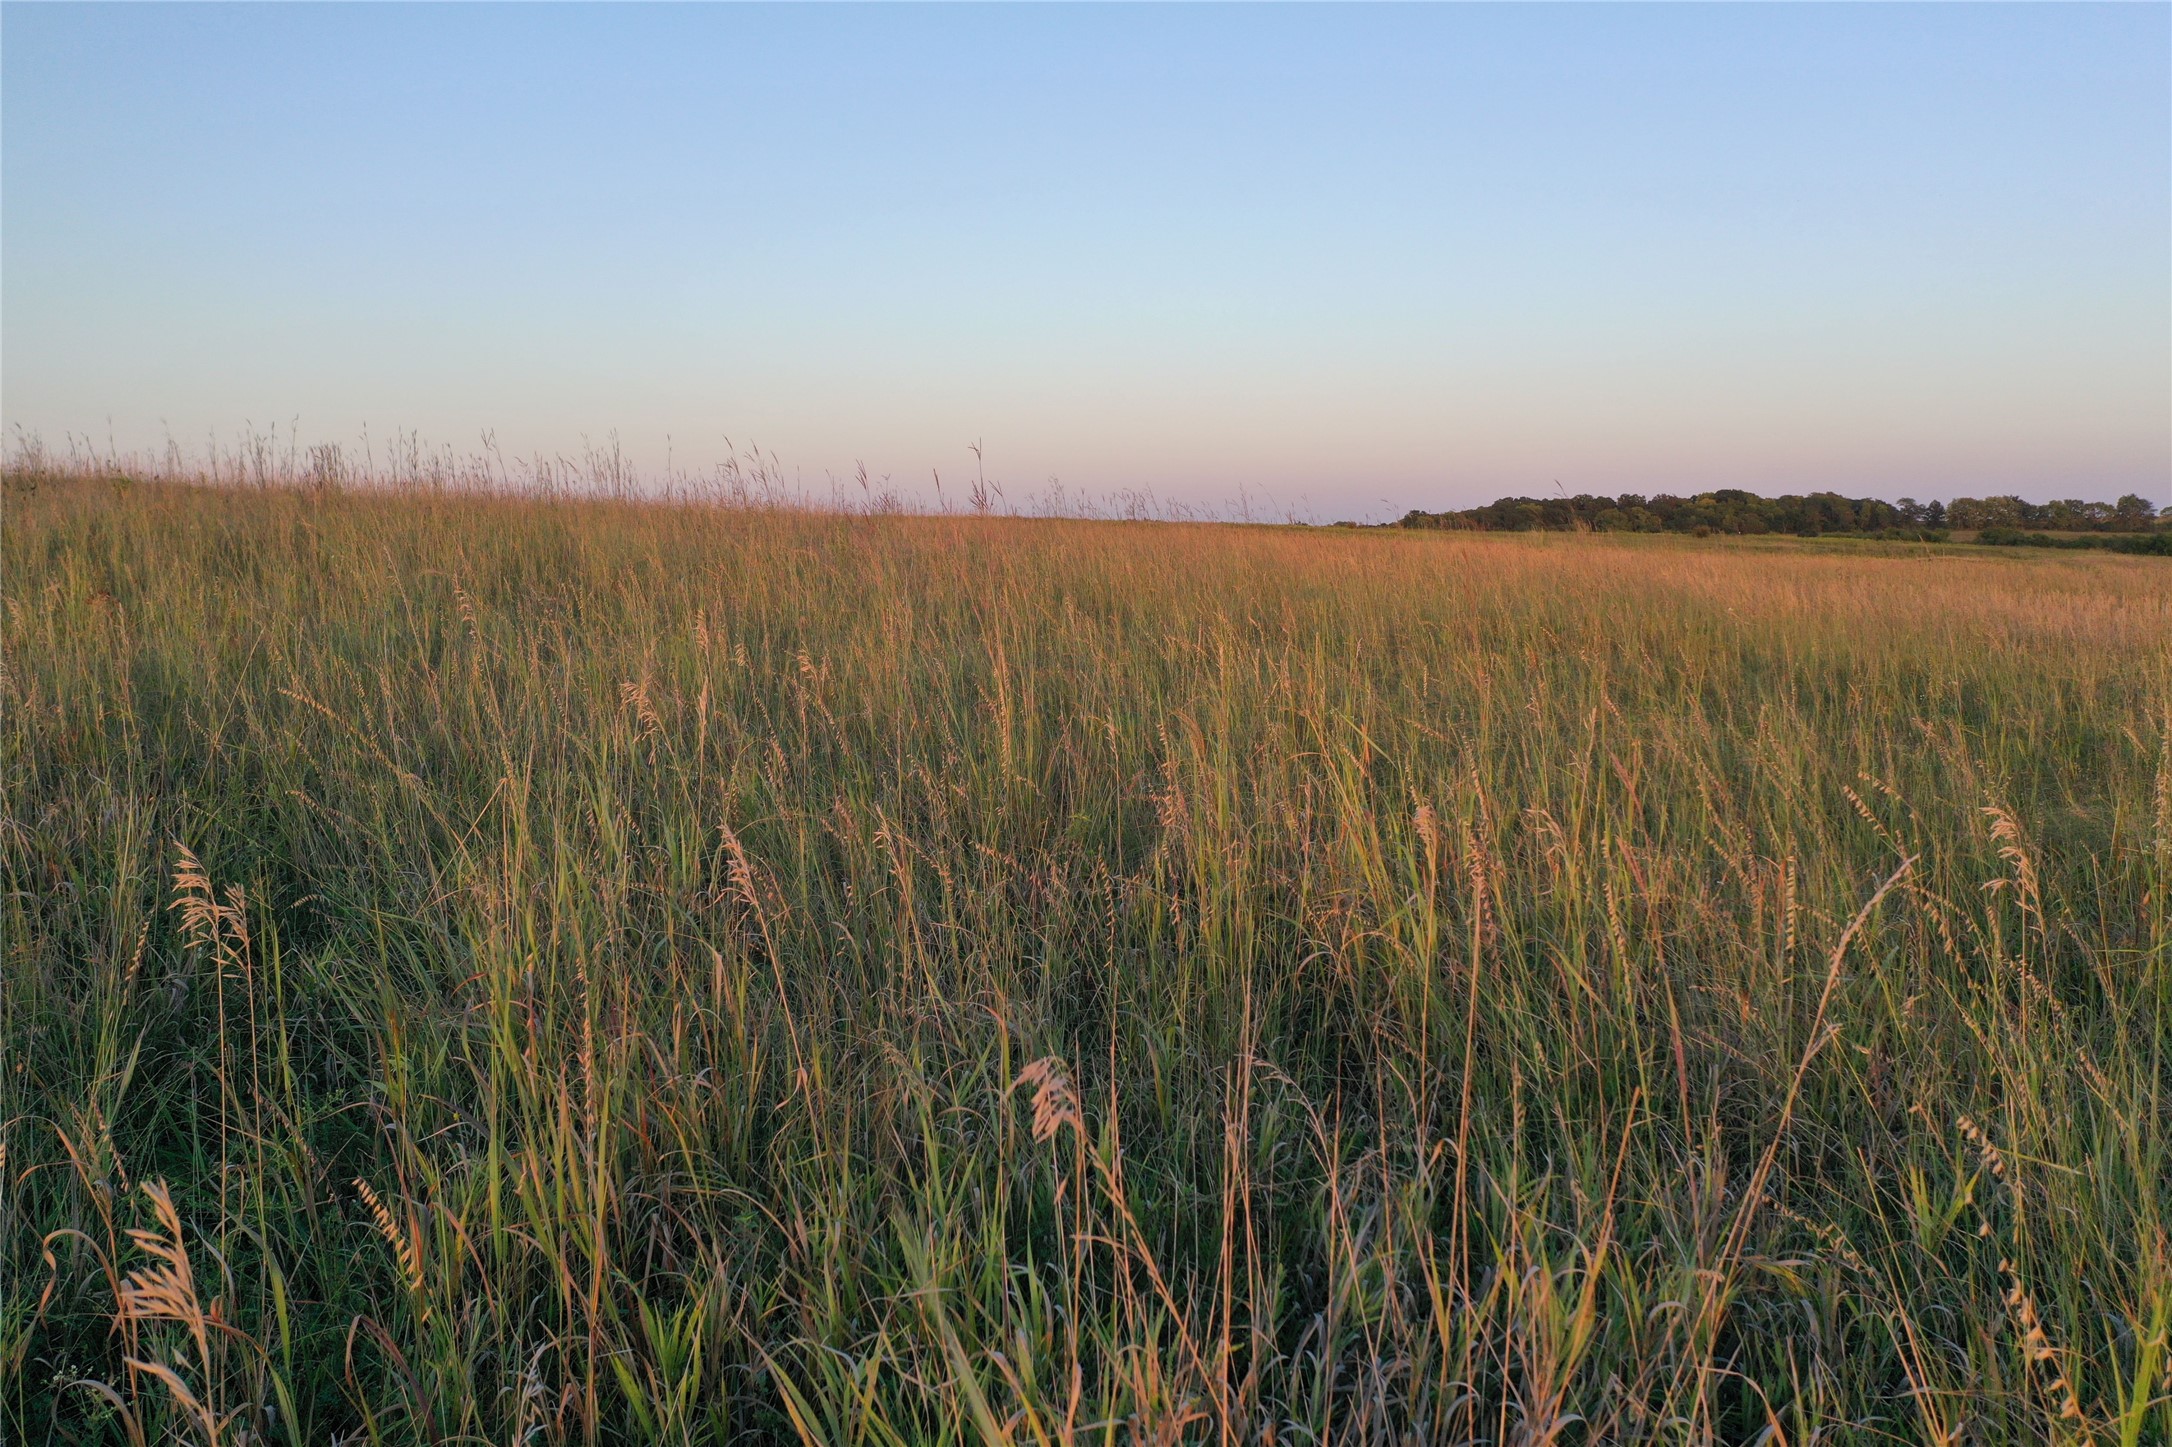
(1347, 259)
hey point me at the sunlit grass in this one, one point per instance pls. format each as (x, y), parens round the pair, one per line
(579, 971)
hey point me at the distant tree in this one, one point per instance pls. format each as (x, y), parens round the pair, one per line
(1985, 512)
(2133, 513)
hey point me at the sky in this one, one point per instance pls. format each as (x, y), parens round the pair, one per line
(1334, 261)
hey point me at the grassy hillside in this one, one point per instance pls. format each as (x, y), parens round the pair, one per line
(505, 971)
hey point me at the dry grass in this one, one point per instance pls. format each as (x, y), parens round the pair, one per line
(516, 971)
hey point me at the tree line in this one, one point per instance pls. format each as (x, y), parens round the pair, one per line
(1817, 514)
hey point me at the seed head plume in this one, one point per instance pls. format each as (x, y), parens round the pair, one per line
(1055, 1103)
(406, 1245)
(205, 918)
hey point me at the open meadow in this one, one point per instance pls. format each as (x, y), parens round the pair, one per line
(493, 970)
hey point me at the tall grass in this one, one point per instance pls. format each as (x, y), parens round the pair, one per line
(481, 970)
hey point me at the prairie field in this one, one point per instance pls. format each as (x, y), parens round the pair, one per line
(497, 970)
